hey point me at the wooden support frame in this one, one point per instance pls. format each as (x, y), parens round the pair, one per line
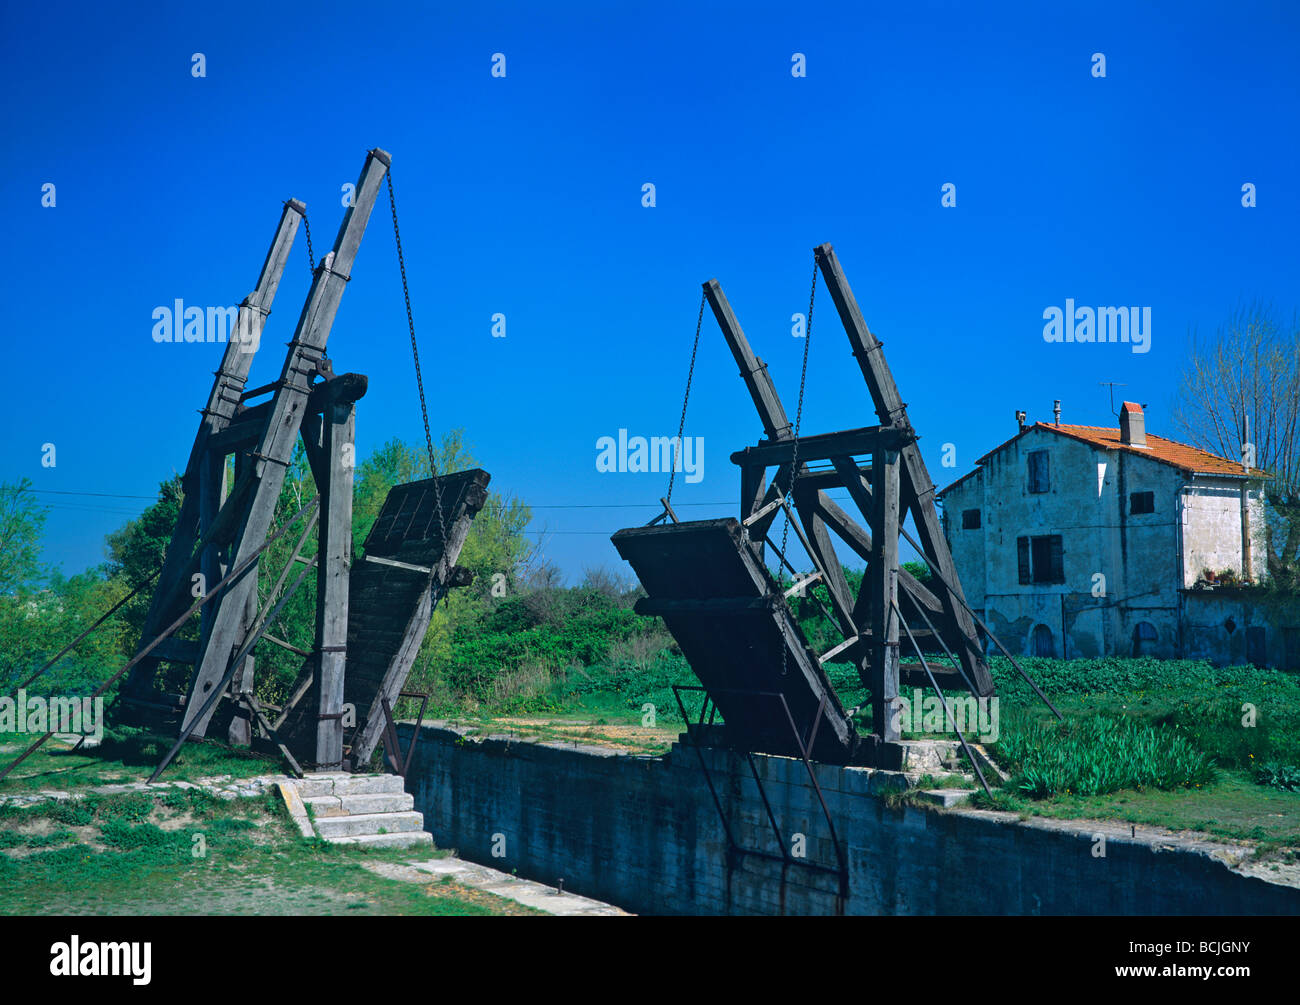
(231, 526)
(894, 486)
(284, 417)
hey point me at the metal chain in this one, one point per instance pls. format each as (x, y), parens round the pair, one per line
(415, 355)
(798, 421)
(311, 259)
(690, 376)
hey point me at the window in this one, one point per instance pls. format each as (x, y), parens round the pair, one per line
(970, 519)
(1144, 639)
(1040, 559)
(1141, 502)
(1042, 643)
(1038, 480)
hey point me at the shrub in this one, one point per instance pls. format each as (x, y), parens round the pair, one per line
(1279, 776)
(1098, 755)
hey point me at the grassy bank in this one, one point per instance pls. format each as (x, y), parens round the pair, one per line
(185, 851)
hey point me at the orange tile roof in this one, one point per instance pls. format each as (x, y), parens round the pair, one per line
(1179, 455)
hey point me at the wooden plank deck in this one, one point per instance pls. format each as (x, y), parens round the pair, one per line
(390, 604)
(728, 616)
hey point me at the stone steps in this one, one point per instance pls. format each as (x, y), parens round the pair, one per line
(379, 802)
(402, 839)
(358, 824)
(374, 811)
(336, 783)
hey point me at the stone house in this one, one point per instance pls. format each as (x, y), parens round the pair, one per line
(1078, 541)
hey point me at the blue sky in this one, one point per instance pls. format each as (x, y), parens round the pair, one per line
(522, 196)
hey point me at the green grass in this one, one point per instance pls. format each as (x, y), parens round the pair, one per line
(1176, 743)
(1233, 807)
(191, 853)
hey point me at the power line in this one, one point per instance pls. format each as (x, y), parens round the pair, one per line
(105, 495)
(728, 502)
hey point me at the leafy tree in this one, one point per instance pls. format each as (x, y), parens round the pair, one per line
(22, 521)
(920, 570)
(136, 550)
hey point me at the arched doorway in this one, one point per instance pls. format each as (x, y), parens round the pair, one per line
(1144, 639)
(1041, 642)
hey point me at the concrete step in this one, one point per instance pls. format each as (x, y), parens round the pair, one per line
(340, 783)
(369, 785)
(356, 825)
(379, 802)
(320, 783)
(402, 839)
(945, 798)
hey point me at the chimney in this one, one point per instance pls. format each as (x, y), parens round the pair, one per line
(1056, 410)
(1020, 419)
(1132, 425)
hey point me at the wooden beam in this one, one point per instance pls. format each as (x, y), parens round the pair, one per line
(822, 479)
(776, 425)
(771, 413)
(882, 574)
(334, 551)
(247, 427)
(914, 478)
(171, 594)
(824, 446)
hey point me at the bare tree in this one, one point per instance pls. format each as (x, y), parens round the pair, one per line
(1239, 397)
(608, 582)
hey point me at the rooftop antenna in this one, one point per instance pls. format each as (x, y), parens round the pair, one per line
(1111, 385)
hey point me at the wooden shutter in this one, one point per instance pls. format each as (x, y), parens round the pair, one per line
(1022, 558)
(1038, 471)
(1055, 560)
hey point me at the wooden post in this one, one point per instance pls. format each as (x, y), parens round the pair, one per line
(883, 574)
(339, 423)
(240, 733)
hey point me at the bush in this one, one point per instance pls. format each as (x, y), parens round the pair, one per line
(1279, 776)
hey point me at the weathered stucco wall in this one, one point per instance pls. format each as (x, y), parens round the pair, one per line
(1217, 624)
(643, 833)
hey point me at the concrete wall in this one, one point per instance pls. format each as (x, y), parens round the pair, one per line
(643, 833)
(1217, 623)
